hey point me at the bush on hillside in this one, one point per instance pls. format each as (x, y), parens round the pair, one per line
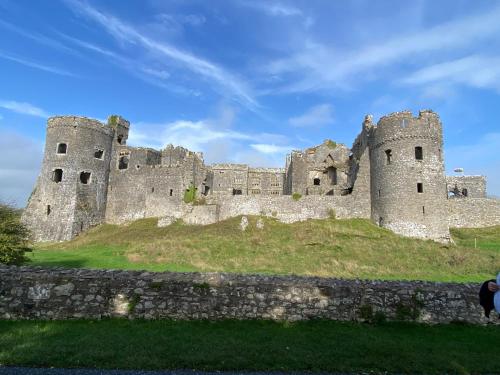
(14, 237)
(190, 194)
(296, 196)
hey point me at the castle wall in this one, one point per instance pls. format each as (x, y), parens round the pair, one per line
(288, 210)
(466, 186)
(409, 195)
(473, 212)
(151, 190)
(37, 293)
(78, 153)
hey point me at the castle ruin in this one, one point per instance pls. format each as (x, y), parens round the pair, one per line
(393, 174)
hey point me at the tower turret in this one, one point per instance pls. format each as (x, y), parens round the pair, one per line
(70, 194)
(408, 185)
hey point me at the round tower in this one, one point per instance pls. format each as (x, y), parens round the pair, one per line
(408, 184)
(70, 194)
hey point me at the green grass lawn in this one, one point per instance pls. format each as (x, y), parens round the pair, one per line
(251, 345)
(331, 248)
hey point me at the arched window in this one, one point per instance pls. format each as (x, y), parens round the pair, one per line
(388, 156)
(85, 177)
(62, 148)
(465, 192)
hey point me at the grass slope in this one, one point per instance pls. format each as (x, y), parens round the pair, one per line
(251, 345)
(336, 248)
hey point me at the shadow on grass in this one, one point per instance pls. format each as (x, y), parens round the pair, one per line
(68, 263)
(315, 346)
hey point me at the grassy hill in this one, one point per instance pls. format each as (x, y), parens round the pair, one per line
(332, 248)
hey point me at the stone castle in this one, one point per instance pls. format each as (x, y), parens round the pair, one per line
(393, 174)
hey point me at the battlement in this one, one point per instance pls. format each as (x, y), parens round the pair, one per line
(78, 122)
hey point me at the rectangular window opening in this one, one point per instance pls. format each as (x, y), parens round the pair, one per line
(57, 175)
(123, 162)
(420, 187)
(49, 209)
(62, 148)
(419, 153)
(99, 154)
(85, 177)
(316, 181)
(171, 192)
(423, 210)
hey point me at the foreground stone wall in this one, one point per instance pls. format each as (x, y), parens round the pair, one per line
(36, 293)
(473, 212)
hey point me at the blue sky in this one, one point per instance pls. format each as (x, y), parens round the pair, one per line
(247, 80)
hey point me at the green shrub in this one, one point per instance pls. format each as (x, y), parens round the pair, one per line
(296, 196)
(331, 144)
(190, 194)
(14, 237)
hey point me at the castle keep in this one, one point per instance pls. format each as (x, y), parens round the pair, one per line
(392, 174)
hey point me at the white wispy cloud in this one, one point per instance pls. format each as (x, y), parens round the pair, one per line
(271, 8)
(272, 148)
(316, 116)
(318, 66)
(23, 108)
(127, 34)
(475, 71)
(36, 65)
(41, 39)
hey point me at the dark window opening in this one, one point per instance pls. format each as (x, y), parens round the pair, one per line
(423, 210)
(388, 155)
(420, 187)
(237, 192)
(85, 177)
(419, 153)
(119, 139)
(380, 221)
(152, 190)
(138, 166)
(62, 148)
(57, 175)
(206, 190)
(171, 192)
(465, 192)
(49, 210)
(123, 162)
(316, 181)
(379, 193)
(98, 154)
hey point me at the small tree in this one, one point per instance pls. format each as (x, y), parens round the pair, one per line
(190, 194)
(14, 237)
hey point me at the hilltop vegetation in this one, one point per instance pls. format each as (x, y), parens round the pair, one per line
(330, 248)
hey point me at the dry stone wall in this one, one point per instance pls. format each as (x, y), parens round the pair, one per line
(37, 293)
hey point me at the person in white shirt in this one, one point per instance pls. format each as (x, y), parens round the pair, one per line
(495, 288)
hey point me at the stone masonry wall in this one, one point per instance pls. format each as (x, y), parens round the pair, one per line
(473, 212)
(37, 293)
